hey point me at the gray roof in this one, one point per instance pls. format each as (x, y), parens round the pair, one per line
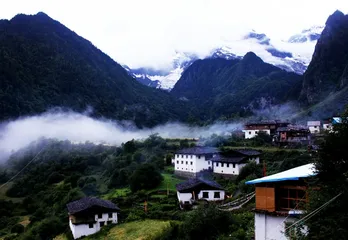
(221, 158)
(247, 152)
(198, 150)
(195, 182)
(293, 128)
(267, 122)
(89, 202)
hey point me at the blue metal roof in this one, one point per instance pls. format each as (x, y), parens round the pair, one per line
(293, 174)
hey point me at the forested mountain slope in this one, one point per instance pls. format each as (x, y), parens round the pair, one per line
(43, 64)
(229, 87)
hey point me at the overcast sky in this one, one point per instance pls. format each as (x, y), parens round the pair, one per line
(147, 32)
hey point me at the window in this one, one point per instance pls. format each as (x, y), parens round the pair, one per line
(186, 162)
(186, 168)
(208, 162)
(191, 163)
(177, 162)
(290, 198)
(100, 215)
(217, 164)
(199, 157)
(216, 194)
(182, 162)
(205, 194)
(90, 225)
(177, 168)
(249, 133)
(101, 224)
(228, 165)
(234, 165)
(186, 156)
(191, 156)
(222, 164)
(315, 126)
(110, 214)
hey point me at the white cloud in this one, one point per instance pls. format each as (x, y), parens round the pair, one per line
(146, 33)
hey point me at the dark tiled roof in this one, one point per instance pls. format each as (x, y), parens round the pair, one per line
(221, 158)
(194, 182)
(198, 150)
(293, 128)
(267, 122)
(88, 202)
(247, 152)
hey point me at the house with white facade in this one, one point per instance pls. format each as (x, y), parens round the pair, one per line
(269, 127)
(190, 161)
(194, 189)
(280, 201)
(231, 162)
(89, 214)
(314, 126)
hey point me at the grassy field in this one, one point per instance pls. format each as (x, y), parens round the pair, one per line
(120, 192)
(140, 230)
(169, 181)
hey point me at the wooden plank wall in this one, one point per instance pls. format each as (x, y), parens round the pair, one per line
(265, 198)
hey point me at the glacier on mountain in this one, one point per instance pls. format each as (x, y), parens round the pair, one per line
(291, 55)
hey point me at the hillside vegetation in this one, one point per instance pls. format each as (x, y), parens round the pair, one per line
(46, 65)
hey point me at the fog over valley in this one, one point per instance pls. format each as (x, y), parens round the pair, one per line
(80, 127)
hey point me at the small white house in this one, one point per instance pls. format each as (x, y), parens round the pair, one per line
(194, 189)
(230, 163)
(269, 127)
(88, 215)
(280, 200)
(190, 161)
(314, 126)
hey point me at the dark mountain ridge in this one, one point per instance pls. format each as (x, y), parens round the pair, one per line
(325, 85)
(327, 71)
(228, 87)
(43, 64)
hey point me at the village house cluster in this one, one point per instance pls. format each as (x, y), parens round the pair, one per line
(285, 133)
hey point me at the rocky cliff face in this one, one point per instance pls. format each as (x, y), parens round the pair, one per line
(328, 70)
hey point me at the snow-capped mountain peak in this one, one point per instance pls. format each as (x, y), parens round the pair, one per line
(307, 35)
(292, 55)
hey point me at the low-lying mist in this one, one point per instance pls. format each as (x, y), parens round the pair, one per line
(79, 128)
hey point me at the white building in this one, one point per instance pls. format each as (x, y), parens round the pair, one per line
(194, 189)
(190, 161)
(280, 200)
(232, 162)
(269, 127)
(88, 215)
(314, 126)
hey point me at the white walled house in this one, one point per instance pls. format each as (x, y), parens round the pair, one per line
(280, 200)
(190, 161)
(194, 189)
(230, 163)
(269, 127)
(314, 126)
(88, 215)
(251, 133)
